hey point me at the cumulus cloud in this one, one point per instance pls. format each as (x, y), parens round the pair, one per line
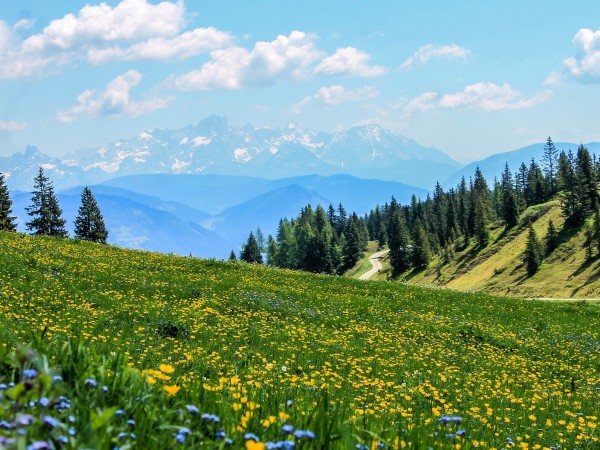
(429, 51)
(114, 101)
(286, 57)
(585, 66)
(337, 94)
(11, 125)
(182, 46)
(349, 61)
(478, 97)
(131, 30)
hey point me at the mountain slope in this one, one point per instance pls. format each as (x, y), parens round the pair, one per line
(499, 268)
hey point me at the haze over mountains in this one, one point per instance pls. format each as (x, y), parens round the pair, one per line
(200, 190)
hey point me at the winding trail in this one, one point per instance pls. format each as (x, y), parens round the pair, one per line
(376, 263)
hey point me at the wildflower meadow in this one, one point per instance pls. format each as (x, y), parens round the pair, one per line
(108, 348)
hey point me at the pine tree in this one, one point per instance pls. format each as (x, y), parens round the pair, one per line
(44, 210)
(420, 254)
(7, 222)
(232, 256)
(251, 253)
(398, 239)
(89, 223)
(533, 253)
(510, 209)
(567, 185)
(272, 252)
(587, 190)
(551, 239)
(550, 165)
(352, 247)
(482, 234)
(597, 228)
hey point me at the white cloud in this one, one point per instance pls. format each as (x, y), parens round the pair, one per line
(429, 51)
(286, 57)
(11, 125)
(553, 79)
(114, 101)
(349, 61)
(337, 94)
(585, 66)
(182, 46)
(130, 20)
(131, 30)
(478, 97)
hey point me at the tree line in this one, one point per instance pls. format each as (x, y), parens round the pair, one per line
(46, 214)
(318, 241)
(333, 241)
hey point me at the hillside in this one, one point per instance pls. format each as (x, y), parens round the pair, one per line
(499, 268)
(159, 351)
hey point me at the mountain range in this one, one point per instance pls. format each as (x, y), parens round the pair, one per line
(215, 146)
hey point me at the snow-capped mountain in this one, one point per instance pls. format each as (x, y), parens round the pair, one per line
(215, 146)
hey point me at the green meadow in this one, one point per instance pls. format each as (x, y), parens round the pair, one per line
(109, 348)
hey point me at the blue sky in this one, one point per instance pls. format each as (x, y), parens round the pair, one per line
(469, 77)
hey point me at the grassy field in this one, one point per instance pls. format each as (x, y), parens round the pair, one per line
(133, 349)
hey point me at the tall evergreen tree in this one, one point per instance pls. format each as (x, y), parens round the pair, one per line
(251, 253)
(510, 209)
(550, 166)
(533, 253)
(587, 189)
(46, 214)
(567, 185)
(420, 255)
(272, 251)
(89, 223)
(398, 239)
(7, 222)
(232, 256)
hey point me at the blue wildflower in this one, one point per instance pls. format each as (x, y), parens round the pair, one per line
(72, 431)
(131, 423)
(39, 445)
(90, 382)
(119, 413)
(220, 434)
(180, 438)
(24, 420)
(287, 429)
(192, 409)
(30, 373)
(251, 437)
(57, 378)
(44, 401)
(50, 421)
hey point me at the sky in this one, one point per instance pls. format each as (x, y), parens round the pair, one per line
(471, 78)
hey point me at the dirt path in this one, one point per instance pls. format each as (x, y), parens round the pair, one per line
(376, 263)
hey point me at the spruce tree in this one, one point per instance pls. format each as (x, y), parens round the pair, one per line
(510, 209)
(7, 222)
(89, 223)
(421, 254)
(44, 210)
(533, 253)
(597, 228)
(398, 239)
(232, 256)
(272, 252)
(251, 253)
(550, 165)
